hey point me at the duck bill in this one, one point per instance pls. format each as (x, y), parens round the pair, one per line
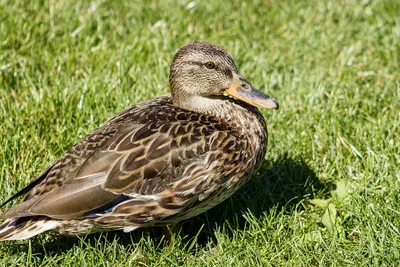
(244, 91)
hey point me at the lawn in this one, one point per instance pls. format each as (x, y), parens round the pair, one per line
(328, 192)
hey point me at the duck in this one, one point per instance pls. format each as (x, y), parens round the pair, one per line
(155, 163)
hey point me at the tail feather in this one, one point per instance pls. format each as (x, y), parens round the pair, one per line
(24, 228)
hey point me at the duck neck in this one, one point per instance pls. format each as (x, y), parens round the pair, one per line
(201, 104)
(236, 113)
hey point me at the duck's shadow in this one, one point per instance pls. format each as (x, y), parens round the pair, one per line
(284, 182)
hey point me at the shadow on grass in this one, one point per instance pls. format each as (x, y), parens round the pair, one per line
(283, 183)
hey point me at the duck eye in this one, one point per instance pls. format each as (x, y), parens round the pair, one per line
(210, 65)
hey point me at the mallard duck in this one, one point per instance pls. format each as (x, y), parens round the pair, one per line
(155, 163)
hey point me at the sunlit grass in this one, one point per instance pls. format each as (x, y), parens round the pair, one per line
(328, 192)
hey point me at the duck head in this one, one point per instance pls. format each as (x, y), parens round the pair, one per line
(204, 76)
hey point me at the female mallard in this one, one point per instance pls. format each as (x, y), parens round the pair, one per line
(158, 162)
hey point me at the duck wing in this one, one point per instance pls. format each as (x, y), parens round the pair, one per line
(141, 151)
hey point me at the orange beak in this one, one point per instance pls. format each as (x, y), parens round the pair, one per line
(244, 91)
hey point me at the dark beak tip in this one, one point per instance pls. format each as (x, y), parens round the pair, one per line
(277, 104)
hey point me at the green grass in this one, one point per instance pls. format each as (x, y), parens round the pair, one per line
(329, 190)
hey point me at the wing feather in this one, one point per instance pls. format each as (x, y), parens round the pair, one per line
(142, 150)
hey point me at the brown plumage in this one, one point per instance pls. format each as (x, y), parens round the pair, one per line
(155, 163)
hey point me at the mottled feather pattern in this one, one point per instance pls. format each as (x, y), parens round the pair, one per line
(155, 163)
(158, 155)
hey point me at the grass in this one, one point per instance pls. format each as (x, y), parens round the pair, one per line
(329, 190)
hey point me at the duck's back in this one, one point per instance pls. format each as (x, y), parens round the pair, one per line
(153, 163)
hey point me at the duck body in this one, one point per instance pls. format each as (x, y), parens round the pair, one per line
(155, 163)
